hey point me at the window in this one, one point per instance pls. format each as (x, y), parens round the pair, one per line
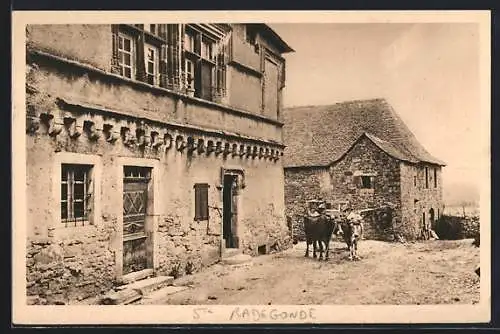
(137, 55)
(201, 201)
(76, 194)
(366, 182)
(151, 58)
(426, 177)
(189, 42)
(152, 28)
(201, 63)
(126, 55)
(435, 178)
(189, 73)
(207, 49)
(415, 181)
(251, 35)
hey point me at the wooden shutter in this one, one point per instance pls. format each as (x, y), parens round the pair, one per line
(141, 65)
(115, 65)
(174, 58)
(201, 201)
(163, 56)
(221, 60)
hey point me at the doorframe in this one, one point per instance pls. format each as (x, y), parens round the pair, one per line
(151, 223)
(239, 175)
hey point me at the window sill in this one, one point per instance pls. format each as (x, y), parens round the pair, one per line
(62, 231)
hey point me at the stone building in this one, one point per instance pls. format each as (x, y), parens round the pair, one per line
(148, 147)
(360, 152)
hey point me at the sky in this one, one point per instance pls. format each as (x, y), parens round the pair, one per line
(428, 72)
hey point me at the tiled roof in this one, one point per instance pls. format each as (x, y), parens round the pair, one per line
(320, 135)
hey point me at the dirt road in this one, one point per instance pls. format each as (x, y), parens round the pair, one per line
(432, 272)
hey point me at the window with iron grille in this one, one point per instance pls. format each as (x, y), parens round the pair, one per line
(201, 201)
(76, 194)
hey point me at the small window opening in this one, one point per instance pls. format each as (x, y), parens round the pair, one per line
(262, 250)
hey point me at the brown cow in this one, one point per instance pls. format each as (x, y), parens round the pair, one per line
(319, 228)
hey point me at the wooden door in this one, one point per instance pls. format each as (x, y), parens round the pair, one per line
(135, 203)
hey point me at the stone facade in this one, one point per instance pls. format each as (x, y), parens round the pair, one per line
(389, 181)
(80, 113)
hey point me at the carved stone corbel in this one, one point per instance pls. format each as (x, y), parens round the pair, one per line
(266, 155)
(261, 153)
(242, 150)
(32, 125)
(227, 149)
(218, 148)
(91, 130)
(254, 152)
(180, 144)
(48, 121)
(71, 127)
(128, 138)
(210, 147)
(156, 141)
(191, 146)
(167, 140)
(200, 146)
(249, 151)
(109, 134)
(142, 139)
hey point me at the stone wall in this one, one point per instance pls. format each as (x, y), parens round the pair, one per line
(72, 41)
(366, 158)
(301, 185)
(417, 199)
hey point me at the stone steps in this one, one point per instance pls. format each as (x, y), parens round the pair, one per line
(236, 259)
(136, 290)
(158, 296)
(230, 252)
(135, 276)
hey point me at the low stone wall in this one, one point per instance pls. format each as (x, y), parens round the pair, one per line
(456, 227)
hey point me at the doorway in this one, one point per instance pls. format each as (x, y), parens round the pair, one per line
(432, 219)
(230, 211)
(136, 253)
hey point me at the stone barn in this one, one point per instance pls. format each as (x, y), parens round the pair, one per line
(148, 150)
(360, 152)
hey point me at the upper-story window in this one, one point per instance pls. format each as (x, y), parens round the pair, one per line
(250, 35)
(189, 41)
(207, 49)
(152, 28)
(139, 57)
(200, 62)
(126, 55)
(142, 52)
(189, 67)
(151, 58)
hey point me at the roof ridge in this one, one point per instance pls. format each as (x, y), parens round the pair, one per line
(377, 99)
